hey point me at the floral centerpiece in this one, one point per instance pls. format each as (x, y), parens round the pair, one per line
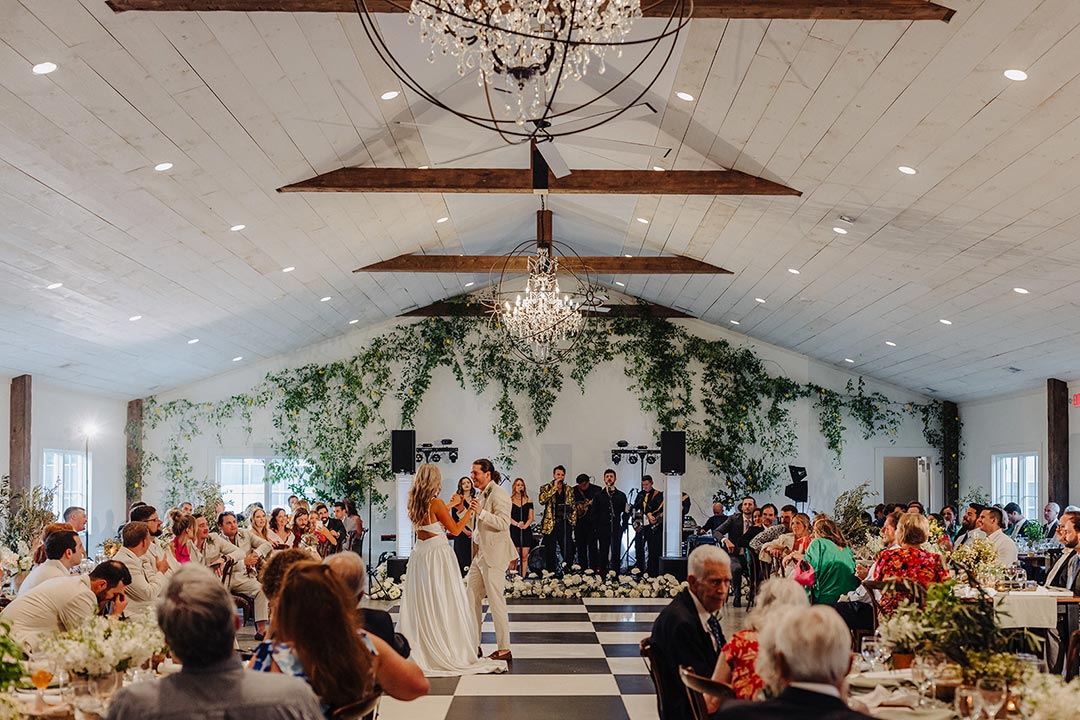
(18, 560)
(103, 646)
(904, 632)
(869, 550)
(110, 546)
(977, 560)
(1049, 697)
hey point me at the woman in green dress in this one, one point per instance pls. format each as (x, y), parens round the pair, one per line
(832, 560)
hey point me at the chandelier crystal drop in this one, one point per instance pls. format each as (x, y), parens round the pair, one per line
(527, 48)
(543, 317)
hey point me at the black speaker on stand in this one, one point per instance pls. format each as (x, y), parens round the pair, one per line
(403, 452)
(673, 452)
(799, 488)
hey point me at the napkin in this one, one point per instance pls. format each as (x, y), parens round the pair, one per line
(882, 697)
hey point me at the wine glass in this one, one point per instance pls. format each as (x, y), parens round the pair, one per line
(871, 652)
(922, 674)
(992, 691)
(968, 702)
(41, 669)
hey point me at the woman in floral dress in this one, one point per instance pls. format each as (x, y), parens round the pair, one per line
(909, 561)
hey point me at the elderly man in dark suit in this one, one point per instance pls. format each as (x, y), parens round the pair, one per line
(807, 655)
(687, 632)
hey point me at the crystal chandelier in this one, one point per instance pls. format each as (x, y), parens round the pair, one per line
(528, 47)
(524, 52)
(542, 318)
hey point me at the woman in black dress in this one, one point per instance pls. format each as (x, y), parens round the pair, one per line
(458, 504)
(521, 521)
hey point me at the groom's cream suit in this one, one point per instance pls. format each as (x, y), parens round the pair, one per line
(495, 550)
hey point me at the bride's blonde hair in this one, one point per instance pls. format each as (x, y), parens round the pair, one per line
(426, 486)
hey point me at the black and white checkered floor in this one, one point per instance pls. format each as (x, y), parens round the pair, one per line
(572, 659)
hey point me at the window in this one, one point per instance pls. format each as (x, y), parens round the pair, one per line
(243, 481)
(1016, 479)
(69, 473)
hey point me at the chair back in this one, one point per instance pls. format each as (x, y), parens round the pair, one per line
(648, 654)
(697, 687)
(355, 710)
(1072, 657)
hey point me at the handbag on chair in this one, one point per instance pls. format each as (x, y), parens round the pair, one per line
(804, 574)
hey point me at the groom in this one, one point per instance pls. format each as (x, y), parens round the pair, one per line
(491, 538)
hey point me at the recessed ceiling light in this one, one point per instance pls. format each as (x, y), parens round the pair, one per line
(628, 255)
(237, 228)
(943, 321)
(53, 286)
(353, 322)
(643, 221)
(1017, 75)
(848, 360)
(839, 231)
(390, 95)
(288, 269)
(442, 219)
(620, 284)
(685, 96)
(733, 322)
(133, 318)
(325, 299)
(44, 68)
(162, 167)
(238, 358)
(1021, 291)
(192, 341)
(793, 271)
(469, 284)
(907, 170)
(422, 167)
(657, 168)
(890, 343)
(760, 300)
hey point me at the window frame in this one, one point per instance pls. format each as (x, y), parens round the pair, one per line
(1029, 497)
(84, 481)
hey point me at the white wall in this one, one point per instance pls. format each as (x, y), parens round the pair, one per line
(1007, 424)
(58, 418)
(585, 426)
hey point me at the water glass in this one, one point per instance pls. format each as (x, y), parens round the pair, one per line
(871, 652)
(968, 703)
(922, 674)
(993, 692)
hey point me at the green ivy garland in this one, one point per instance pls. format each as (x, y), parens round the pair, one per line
(332, 422)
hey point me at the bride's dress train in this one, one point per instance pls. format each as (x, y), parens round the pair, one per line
(435, 614)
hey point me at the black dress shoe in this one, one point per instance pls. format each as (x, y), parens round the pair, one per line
(259, 637)
(479, 652)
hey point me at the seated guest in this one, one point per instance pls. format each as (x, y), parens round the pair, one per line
(1017, 522)
(1065, 575)
(739, 529)
(349, 567)
(832, 560)
(1050, 515)
(797, 540)
(146, 582)
(969, 526)
(329, 530)
(773, 531)
(687, 631)
(944, 542)
(916, 507)
(736, 663)
(248, 550)
(299, 527)
(199, 621)
(319, 641)
(808, 654)
(990, 522)
(37, 551)
(277, 531)
(273, 574)
(63, 551)
(909, 561)
(183, 532)
(155, 558)
(76, 517)
(950, 526)
(65, 603)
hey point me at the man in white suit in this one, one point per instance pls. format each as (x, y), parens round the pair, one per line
(494, 551)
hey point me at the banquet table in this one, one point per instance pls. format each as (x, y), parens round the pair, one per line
(1036, 608)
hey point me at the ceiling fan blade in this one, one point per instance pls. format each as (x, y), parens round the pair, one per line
(591, 142)
(553, 158)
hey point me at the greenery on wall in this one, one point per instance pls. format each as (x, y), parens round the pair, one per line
(332, 421)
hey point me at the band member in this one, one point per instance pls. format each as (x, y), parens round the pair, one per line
(614, 525)
(649, 512)
(593, 514)
(560, 515)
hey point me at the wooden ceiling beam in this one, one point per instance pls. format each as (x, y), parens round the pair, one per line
(734, 9)
(644, 265)
(511, 180)
(450, 308)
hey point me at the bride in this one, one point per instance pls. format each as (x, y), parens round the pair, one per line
(435, 613)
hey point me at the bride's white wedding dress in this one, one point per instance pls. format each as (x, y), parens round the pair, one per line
(435, 614)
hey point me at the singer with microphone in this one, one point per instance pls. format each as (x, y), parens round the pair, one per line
(612, 532)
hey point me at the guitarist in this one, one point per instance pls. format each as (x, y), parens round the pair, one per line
(650, 505)
(593, 513)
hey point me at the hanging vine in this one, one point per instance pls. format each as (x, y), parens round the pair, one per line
(331, 421)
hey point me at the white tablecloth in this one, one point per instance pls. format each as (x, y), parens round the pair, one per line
(1036, 609)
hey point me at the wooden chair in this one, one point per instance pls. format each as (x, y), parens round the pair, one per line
(244, 602)
(648, 654)
(1072, 657)
(697, 687)
(356, 710)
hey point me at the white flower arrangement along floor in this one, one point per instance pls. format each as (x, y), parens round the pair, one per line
(574, 584)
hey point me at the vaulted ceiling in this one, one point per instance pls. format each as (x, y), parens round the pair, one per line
(242, 104)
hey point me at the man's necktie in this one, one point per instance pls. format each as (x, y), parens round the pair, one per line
(714, 630)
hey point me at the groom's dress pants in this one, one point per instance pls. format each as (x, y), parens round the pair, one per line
(490, 582)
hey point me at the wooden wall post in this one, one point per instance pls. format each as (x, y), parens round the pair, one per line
(133, 432)
(1057, 441)
(950, 462)
(21, 396)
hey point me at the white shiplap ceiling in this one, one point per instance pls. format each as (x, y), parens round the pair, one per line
(242, 104)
